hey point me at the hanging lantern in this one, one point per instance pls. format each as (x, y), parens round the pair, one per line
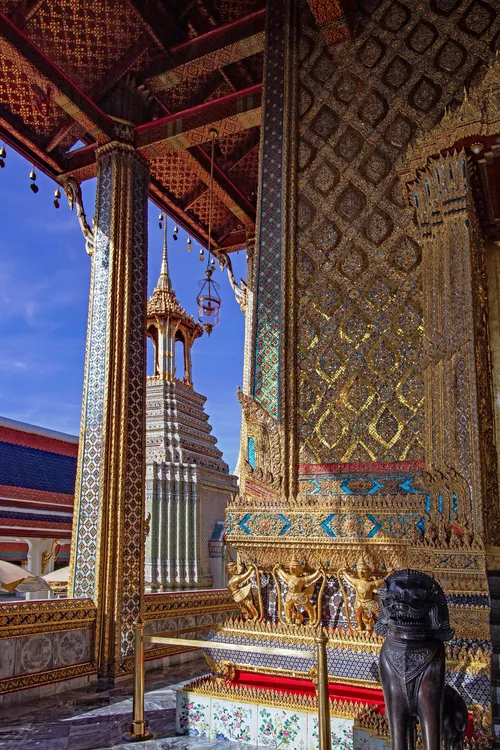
(209, 303)
(57, 195)
(34, 187)
(208, 299)
(176, 232)
(188, 244)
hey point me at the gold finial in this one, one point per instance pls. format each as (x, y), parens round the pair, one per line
(164, 279)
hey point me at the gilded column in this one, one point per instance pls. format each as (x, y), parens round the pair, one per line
(460, 441)
(108, 552)
(492, 258)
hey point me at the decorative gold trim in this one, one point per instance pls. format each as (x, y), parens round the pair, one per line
(470, 658)
(32, 618)
(476, 116)
(46, 678)
(332, 679)
(166, 605)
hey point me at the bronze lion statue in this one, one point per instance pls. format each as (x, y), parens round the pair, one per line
(413, 617)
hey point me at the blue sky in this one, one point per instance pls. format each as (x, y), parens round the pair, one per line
(44, 284)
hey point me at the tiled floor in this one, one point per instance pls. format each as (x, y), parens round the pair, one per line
(94, 719)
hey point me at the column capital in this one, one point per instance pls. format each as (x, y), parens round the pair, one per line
(118, 147)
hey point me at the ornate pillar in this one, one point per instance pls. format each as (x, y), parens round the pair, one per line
(460, 441)
(107, 548)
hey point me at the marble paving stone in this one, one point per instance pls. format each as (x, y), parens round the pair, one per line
(93, 718)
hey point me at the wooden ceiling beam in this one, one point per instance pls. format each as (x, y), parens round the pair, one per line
(21, 140)
(228, 114)
(198, 158)
(202, 189)
(209, 52)
(188, 130)
(49, 81)
(159, 197)
(158, 22)
(117, 71)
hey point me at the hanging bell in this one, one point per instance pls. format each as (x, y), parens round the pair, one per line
(212, 264)
(3, 156)
(160, 221)
(176, 232)
(188, 244)
(34, 187)
(202, 255)
(57, 195)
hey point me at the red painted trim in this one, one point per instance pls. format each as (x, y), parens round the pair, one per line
(200, 108)
(218, 31)
(36, 533)
(15, 526)
(14, 546)
(375, 467)
(297, 685)
(39, 442)
(23, 496)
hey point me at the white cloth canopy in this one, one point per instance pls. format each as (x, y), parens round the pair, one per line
(58, 576)
(15, 578)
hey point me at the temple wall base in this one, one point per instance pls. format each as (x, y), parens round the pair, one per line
(263, 725)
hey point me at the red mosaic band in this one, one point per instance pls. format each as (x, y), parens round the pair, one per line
(360, 468)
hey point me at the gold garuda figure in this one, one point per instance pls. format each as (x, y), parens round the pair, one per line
(240, 585)
(299, 592)
(365, 581)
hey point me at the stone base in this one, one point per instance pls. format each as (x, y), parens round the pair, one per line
(209, 717)
(352, 657)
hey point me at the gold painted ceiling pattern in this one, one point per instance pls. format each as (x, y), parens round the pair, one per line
(108, 57)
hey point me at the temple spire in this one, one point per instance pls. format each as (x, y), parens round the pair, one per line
(164, 278)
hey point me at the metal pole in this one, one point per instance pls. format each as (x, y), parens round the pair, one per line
(138, 729)
(324, 732)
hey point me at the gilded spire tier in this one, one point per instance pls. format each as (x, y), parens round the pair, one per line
(188, 484)
(168, 323)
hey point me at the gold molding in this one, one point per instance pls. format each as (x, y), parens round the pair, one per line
(332, 679)
(37, 679)
(46, 616)
(184, 603)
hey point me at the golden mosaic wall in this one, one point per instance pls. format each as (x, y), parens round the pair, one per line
(359, 316)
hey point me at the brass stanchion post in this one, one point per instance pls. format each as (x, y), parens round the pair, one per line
(324, 731)
(138, 729)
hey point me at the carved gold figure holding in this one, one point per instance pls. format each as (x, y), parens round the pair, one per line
(240, 585)
(365, 582)
(299, 591)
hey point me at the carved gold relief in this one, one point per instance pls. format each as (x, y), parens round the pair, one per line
(297, 596)
(242, 582)
(365, 582)
(266, 432)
